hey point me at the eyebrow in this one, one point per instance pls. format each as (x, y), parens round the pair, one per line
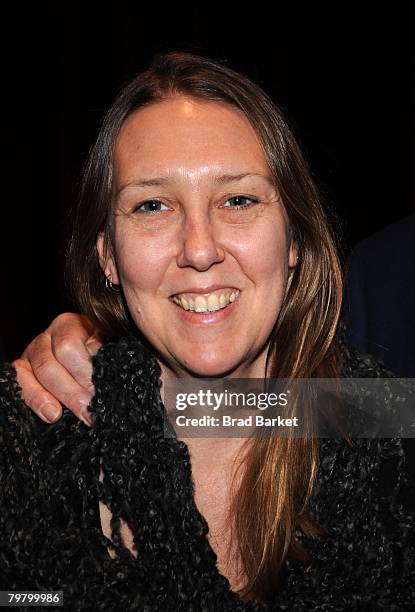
(223, 179)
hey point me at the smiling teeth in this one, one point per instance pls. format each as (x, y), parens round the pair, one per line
(212, 303)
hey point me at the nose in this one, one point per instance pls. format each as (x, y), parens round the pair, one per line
(199, 248)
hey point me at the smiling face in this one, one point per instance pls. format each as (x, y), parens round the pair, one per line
(188, 237)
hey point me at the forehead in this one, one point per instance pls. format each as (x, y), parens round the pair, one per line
(186, 135)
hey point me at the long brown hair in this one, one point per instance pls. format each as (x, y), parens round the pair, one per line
(277, 478)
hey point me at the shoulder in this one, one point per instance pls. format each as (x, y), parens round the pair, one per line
(395, 398)
(127, 357)
(16, 417)
(32, 450)
(18, 426)
(357, 363)
(364, 498)
(42, 488)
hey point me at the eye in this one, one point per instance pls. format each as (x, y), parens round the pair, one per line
(152, 204)
(241, 197)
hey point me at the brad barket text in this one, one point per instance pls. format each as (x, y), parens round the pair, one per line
(257, 420)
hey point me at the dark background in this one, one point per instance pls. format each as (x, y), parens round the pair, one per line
(343, 75)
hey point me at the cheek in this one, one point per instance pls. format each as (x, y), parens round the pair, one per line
(263, 254)
(141, 263)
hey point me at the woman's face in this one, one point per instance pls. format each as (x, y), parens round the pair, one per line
(198, 225)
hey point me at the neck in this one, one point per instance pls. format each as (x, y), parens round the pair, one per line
(212, 453)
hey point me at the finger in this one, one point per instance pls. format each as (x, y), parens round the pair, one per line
(73, 356)
(69, 334)
(40, 401)
(51, 375)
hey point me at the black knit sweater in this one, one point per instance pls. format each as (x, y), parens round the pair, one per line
(50, 529)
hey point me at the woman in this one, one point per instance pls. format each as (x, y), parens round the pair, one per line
(200, 249)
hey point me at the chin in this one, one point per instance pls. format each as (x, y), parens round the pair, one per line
(217, 369)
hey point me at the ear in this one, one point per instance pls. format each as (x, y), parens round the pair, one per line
(293, 255)
(106, 259)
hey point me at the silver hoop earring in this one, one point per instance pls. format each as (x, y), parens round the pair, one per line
(111, 287)
(292, 269)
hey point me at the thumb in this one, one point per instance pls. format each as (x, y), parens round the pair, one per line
(93, 344)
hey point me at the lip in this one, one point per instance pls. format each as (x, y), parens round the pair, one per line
(199, 318)
(203, 290)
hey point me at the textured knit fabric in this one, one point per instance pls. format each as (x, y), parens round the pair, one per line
(50, 529)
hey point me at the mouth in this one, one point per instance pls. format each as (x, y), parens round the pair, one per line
(206, 303)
